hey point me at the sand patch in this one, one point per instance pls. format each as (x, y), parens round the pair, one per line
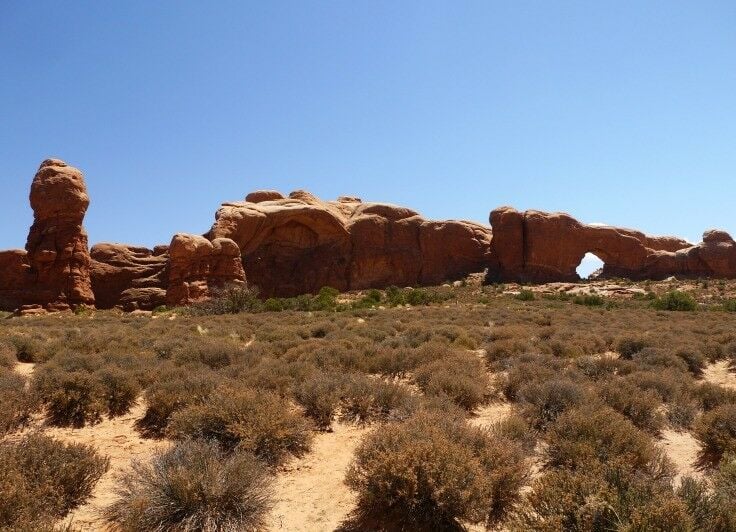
(488, 415)
(117, 439)
(310, 493)
(682, 449)
(718, 373)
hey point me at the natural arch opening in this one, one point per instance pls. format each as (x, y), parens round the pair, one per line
(589, 265)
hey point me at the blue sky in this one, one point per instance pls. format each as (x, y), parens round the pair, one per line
(618, 112)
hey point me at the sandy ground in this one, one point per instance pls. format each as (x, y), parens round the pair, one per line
(682, 448)
(487, 415)
(117, 439)
(718, 373)
(310, 492)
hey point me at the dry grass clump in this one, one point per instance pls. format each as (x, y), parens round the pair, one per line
(42, 479)
(194, 486)
(429, 473)
(245, 419)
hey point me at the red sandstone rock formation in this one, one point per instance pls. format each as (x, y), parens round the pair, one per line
(299, 244)
(54, 272)
(197, 267)
(534, 246)
(131, 277)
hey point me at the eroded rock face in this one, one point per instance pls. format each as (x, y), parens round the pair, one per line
(197, 267)
(130, 277)
(299, 244)
(54, 271)
(542, 247)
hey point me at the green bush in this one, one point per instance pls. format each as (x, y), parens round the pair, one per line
(193, 486)
(430, 472)
(730, 305)
(589, 300)
(525, 295)
(254, 421)
(675, 301)
(716, 432)
(42, 479)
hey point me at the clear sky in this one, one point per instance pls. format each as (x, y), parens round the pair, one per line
(621, 112)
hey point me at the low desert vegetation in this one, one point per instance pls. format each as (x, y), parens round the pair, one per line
(42, 479)
(240, 387)
(194, 486)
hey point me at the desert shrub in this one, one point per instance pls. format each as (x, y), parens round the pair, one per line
(711, 395)
(694, 360)
(71, 398)
(28, 349)
(529, 369)
(254, 421)
(641, 407)
(667, 384)
(16, 403)
(712, 505)
(601, 368)
(460, 376)
(729, 305)
(584, 436)
(121, 390)
(600, 498)
(365, 399)
(516, 428)
(675, 300)
(229, 300)
(659, 358)
(628, 347)
(41, 479)
(716, 432)
(194, 486)
(543, 401)
(681, 412)
(525, 295)
(394, 362)
(213, 353)
(174, 389)
(430, 472)
(7, 355)
(589, 300)
(320, 396)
